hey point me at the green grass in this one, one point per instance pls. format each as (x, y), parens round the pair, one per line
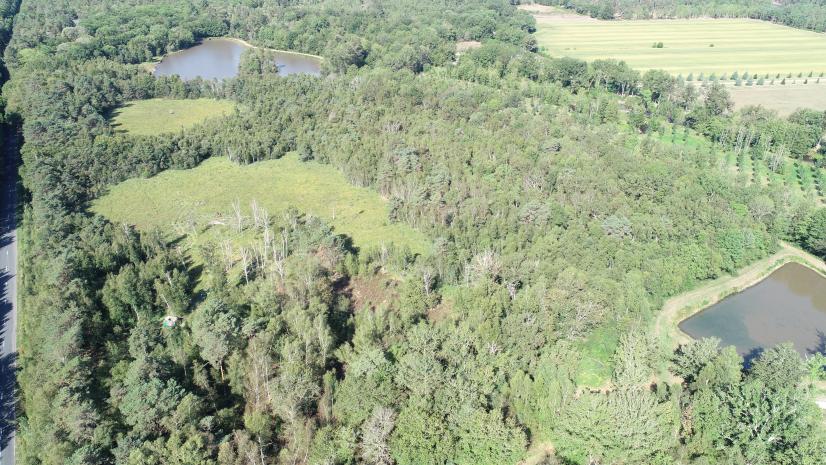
(739, 45)
(204, 194)
(597, 365)
(158, 116)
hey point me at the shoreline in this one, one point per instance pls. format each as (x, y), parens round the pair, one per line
(683, 306)
(244, 42)
(151, 66)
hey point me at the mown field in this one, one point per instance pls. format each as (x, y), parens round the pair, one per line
(784, 99)
(689, 46)
(157, 116)
(200, 200)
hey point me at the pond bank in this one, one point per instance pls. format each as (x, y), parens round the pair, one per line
(151, 66)
(680, 307)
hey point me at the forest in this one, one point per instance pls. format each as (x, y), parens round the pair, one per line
(803, 14)
(559, 222)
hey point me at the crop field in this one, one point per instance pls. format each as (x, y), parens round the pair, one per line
(720, 46)
(158, 116)
(200, 200)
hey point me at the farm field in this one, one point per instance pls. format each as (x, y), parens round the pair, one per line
(784, 99)
(178, 201)
(158, 116)
(689, 46)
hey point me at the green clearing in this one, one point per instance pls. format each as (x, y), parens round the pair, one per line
(200, 200)
(157, 116)
(597, 364)
(739, 44)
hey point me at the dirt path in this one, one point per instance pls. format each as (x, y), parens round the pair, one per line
(684, 305)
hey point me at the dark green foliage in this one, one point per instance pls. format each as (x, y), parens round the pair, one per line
(762, 417)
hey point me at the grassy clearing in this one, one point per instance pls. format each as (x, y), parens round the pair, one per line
(738, 44)
(157, 116)
(784, 99)
(177, 201)
(597, 366)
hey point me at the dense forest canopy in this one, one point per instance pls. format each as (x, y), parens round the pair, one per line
(559, 219)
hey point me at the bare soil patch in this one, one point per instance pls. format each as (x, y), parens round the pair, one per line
(552, 15)
(465, 45)
(373, 292)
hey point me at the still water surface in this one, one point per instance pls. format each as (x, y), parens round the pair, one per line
(219, 59)
(788, 306)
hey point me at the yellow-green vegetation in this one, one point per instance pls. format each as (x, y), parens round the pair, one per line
(180, 201)
(785, 99)
(157, 116)
(688, 46)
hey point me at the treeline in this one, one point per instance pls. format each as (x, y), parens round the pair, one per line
(553, 214)
(344, 32)
(656, 98)
(803, 14)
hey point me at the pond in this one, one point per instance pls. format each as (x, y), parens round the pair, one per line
(788, 306)
(219, 59)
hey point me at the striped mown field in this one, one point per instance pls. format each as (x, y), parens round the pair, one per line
(738, 44)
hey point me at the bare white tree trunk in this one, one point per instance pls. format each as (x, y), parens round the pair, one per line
(239, 218)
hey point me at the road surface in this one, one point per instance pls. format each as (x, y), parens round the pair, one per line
(8, 296)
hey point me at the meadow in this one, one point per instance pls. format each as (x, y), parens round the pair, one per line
(158, 116)
(200, 200)
(720, 46)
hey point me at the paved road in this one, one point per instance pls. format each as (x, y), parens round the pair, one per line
(8, 297)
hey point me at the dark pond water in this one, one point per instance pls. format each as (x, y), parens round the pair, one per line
(788, 306)
(219, 59)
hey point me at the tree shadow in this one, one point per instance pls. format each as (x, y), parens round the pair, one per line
(820, 348)
(8, 367)
(752, 355)
(112, 115)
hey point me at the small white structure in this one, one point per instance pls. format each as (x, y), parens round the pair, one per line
(169, 321)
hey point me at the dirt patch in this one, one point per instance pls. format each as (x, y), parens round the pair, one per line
(549, 14)
(465, 45)
(439, 312)
(684, 305)
(538, 454)
(373, 292)
(536, 8)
